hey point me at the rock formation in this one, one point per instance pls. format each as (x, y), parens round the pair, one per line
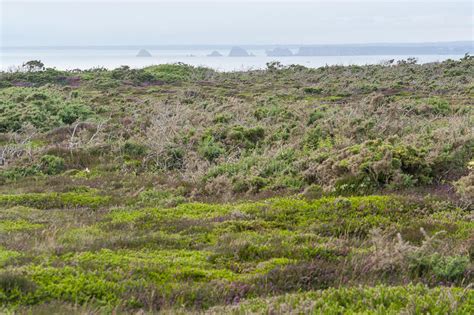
(215, 53)
(238, 52)
(144, 53)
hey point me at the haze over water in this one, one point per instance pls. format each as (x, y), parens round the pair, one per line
(106, 23)
(69, 59)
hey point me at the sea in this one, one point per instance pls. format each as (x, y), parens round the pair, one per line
(87, 58)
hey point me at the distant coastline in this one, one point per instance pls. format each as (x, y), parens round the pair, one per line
(428, 48)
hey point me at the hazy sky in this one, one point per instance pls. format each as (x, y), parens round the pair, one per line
(30, 23)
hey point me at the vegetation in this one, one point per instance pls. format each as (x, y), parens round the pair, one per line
(288, 190)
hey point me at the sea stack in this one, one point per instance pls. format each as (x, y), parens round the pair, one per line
(238, 52)
(215, 53)
(144, 53)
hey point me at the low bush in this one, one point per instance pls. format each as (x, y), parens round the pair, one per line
(313, 90)
(51, 165)
(134, 150)
(43, 108)
(431, 260)
(177, 72)
(14, 286)
(54, 200)
(379, 299)
(210, 149)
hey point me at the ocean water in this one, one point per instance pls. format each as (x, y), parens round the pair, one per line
(69, 59)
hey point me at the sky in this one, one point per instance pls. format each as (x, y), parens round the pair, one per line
(63, 23)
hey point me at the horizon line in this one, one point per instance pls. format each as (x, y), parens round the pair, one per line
(150, 46)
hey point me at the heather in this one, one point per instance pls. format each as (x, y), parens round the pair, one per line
(179, 189)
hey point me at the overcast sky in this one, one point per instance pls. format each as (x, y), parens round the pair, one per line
(53, 23)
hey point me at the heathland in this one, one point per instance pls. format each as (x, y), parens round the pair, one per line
(172, 188)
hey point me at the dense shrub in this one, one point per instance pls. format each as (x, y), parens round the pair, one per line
(445, 268)
(51, 165)
(134, 150)
(13, 286)
(176, 72)
(210, 149)
(354, 300)
(430, 260)
(176, 146)
(372, 164)
(54, 200)
(43, 108)
(313, 90)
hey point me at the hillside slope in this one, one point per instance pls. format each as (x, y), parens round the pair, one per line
(181, 189)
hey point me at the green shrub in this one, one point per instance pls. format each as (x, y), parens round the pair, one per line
(381, 299)
(315, 116)
(72, 112)
(51, 165)
(210, 149)
(313, 138)
(445, 268)
(439, 106)
(373, 164)
(44, 108)
(16, 173)
(177, 72)
(134, 150)
(173, 158)
(257, 183)
(451, 267)
(222, 118)
(313, 90)
(6, 256)
(54, 200)
(135, 76)
(353, 185)
(160, 198)
(13, 286)
(246, 137)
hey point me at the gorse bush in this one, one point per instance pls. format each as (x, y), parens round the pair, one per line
(51, 165)
(177, 72)
(313, 90)
(134, 150)
(445, 268)
(353, 129)
(43, 108)
(180, 189)
(372, 164)
(210, 149)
